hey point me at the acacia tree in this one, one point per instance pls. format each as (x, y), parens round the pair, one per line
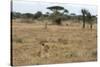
(38, 14)
(56, 12)
(84, 12)
(55, 9)
(65, 11)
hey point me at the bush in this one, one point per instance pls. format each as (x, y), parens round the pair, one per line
(27, 20)
(58, 21)
(18, 40)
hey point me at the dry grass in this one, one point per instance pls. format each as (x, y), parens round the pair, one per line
(66, 44)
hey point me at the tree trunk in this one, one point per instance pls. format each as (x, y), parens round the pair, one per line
(83, 21)
(91, 26)
(46, 25)
(83, 24)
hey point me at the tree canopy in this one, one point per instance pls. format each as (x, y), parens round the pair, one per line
(55, 8)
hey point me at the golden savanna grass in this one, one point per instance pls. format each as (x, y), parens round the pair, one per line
(69, 43)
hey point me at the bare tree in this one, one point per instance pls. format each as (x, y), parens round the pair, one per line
(84, 12)
(89, 19)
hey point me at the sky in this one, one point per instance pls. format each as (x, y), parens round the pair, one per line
(34, 6)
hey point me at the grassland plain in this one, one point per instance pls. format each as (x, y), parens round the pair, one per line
(66, 44)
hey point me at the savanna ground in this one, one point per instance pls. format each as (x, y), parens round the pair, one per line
(69, 43)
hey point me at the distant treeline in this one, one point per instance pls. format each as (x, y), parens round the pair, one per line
(40, 15)
(58, 15)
